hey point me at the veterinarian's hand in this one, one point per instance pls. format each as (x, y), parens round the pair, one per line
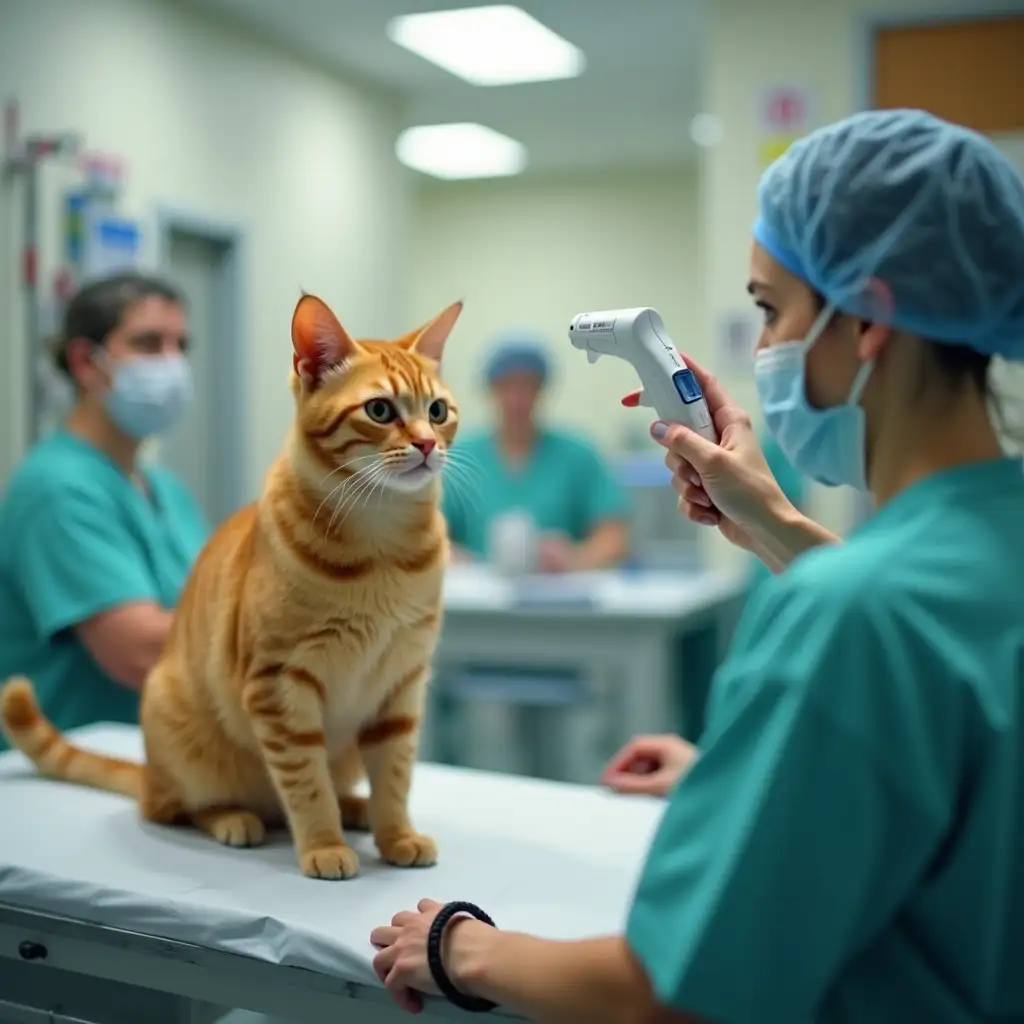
(556, 553)
(650, 765)
(726, 485)
(401, 961)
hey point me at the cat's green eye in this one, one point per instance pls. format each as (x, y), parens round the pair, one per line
(438, 410)
(380, 410)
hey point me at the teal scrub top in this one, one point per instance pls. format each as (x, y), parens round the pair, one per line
(78, 538)
(849, 847)
(565, 485)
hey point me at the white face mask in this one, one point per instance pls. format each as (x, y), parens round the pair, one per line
(148, 394)
(829, 445)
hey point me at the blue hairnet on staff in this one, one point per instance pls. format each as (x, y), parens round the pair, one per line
(931, 209)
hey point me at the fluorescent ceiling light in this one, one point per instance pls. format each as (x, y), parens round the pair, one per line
(496, 45)
(464, 150)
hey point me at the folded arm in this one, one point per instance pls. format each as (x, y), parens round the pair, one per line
(126, 641)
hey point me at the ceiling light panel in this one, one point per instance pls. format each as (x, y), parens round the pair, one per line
(460, 151)
(487, 46)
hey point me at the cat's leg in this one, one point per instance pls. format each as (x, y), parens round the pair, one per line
(355, 812)
(286, 713)
(230, 826)
(387, 746)
(347, 772)
(184, 774)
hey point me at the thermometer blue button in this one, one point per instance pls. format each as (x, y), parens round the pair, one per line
(687, 386)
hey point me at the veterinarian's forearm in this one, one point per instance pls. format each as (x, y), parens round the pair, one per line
(786, 535)
(597, 981)
(126, 642)
(142, 652)
(606, 546)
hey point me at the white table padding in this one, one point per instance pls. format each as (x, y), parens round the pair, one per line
(476, 587)
(557, 860)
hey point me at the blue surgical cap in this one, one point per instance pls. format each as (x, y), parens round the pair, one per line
(517, 353)
(932, 210)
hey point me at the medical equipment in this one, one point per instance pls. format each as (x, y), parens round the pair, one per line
(639, 336)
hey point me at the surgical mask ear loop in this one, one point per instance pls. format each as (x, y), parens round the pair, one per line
(860, 382)
(821, 321)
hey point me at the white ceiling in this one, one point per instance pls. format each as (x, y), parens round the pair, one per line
(630, 109)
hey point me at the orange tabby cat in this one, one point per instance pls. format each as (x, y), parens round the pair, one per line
(302, 642)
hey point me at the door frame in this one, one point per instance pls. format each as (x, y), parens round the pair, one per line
(230, 416)
(871, 24)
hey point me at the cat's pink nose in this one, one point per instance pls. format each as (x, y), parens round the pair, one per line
(424, 446)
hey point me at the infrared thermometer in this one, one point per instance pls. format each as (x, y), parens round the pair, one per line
(639, 336)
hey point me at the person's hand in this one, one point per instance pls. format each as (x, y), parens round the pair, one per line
(729, 484)
(650, 765)
(401, 960)
(555, 553)
(458, 555)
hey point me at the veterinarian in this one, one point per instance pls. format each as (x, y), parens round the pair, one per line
(849, 845)
(556, 478)
(94, 545)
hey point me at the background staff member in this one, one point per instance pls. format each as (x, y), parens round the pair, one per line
(95, 546)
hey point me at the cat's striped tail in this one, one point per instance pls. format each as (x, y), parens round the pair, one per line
(28, 729)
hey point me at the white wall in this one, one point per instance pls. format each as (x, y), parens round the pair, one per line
(213, 120)
(757, 45)
(533, 254)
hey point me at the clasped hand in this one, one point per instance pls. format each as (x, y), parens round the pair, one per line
(401, 960)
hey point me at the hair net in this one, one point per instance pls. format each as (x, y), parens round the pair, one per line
(517, 353)
(933, 211)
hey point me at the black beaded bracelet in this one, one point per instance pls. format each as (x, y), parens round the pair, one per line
(435, 937)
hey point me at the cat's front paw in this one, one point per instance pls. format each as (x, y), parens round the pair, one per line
(408, 849)
(332, 862)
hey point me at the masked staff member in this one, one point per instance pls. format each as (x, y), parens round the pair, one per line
(95, 546)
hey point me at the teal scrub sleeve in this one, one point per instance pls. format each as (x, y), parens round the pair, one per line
(603, 496)
(74, 561)
(789, 844)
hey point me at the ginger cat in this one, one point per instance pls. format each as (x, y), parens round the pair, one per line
(301, 646)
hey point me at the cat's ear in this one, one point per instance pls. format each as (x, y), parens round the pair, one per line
(429, 340)
(321, 344)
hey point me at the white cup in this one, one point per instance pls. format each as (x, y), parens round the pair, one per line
(512, 543)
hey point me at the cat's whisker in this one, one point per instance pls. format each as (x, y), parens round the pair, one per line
(345, 465)
(466, 458)
(349, 483)
(466, 463)
(340, 487)
(382, 483)
(352, 500)
(463, 486)
(338, 469)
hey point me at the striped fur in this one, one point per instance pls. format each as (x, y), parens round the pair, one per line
(300, 650)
